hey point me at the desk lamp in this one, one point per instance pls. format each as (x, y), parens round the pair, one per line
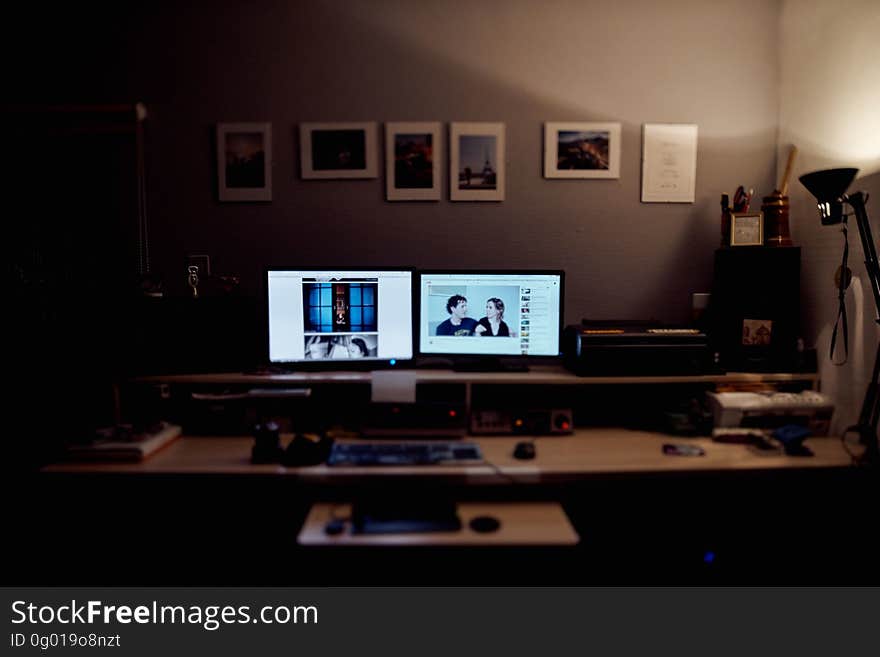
(829, 188)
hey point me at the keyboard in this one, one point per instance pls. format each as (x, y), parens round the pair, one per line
(404, 453)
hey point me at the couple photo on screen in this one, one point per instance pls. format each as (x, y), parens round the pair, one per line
(320, 347)
(459, 324)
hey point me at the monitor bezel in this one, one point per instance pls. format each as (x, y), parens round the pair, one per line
(417, 316)
(342, 364)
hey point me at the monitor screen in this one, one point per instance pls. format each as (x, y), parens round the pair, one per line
(520, 311)
(337, 315)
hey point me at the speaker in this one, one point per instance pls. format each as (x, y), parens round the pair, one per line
(754, 312)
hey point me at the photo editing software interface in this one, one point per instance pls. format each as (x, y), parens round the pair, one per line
(521, 311)
(336, 315)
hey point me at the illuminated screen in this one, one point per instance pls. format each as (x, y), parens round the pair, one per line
(338, 315)
(486, 314)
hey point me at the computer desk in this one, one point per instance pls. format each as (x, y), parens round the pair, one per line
(617, 488)
(588, 454)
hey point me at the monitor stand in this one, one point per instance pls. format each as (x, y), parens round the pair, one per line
(489, 364)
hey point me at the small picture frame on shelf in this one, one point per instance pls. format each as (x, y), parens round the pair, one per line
(244, 161)
(338, 150)
(746, 229)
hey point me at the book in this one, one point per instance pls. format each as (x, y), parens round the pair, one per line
(137, 448)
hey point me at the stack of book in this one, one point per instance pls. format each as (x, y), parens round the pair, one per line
(135, 447)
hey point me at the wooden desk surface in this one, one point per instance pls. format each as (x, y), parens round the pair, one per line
(537, 375)
(589, 452)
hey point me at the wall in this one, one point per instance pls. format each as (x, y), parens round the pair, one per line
(519, 62)
(830, 109)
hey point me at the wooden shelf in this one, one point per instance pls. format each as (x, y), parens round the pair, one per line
(538, 375)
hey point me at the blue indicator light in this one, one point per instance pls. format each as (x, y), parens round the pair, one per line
(393, 361)
(709, 557)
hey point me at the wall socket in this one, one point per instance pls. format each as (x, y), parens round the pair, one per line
(203, 262)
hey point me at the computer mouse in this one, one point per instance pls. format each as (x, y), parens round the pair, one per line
(484, 524)
(524, 450)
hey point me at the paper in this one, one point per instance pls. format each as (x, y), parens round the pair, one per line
(397, 386)
(669, 163)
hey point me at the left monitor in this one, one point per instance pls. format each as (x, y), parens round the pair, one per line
(339, 315)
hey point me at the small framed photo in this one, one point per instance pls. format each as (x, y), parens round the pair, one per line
(413, 161)
(338, 150)
(746, 229)
(757, 332)
(582, 150)
(476, 162)
(244, 161)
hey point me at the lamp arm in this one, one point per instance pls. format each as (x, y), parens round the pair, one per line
(857, 202)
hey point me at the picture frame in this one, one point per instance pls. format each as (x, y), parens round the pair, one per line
(338, 150)
(244, 161)
(413, 161)
(582, 150)
(746, 228)
(669, 162)
(476, 161)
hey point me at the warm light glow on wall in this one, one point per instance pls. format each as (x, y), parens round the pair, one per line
(830, 102)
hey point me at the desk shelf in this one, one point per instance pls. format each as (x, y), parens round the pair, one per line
(537, 375)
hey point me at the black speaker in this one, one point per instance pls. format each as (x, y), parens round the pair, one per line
(754, 312)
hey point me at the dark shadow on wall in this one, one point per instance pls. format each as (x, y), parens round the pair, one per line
(195, 66)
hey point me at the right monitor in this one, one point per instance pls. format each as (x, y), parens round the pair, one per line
(485, 313)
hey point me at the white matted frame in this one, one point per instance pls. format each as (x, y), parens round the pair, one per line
(244, 161)
(476, 162)
(746, 228)
(582, 150)
(338, 150)
(669, 163)
(413, 161)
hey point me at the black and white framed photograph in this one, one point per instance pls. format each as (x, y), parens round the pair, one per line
(413, 161)
(582, 150)
(244, 161)
(338, 150)
(476, 162)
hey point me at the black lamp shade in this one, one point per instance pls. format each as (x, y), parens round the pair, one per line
(828, 185)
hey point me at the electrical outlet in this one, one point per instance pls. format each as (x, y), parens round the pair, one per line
(203, 262)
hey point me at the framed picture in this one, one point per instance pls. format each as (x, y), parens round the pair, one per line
(669, 163)
(582, 150)
(757, 332)
(476, 162)
(244, 161)
(413, 161)
(338, 150)
(746, 229)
